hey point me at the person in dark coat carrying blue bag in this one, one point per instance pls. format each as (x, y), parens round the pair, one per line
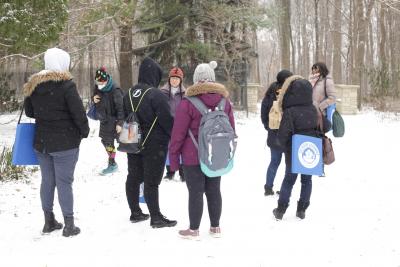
(53, 100)
(110, 111)
(147, 166)
(299, 117)
(276, 152)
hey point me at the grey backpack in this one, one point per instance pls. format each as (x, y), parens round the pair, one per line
(217, 140)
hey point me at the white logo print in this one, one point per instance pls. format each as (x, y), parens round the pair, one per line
(137, 93)
(308, 155)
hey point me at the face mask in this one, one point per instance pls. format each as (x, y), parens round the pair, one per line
(101, 86)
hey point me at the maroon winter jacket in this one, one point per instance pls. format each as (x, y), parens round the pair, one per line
(188, 117)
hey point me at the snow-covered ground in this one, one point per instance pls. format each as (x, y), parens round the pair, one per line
(353, 219)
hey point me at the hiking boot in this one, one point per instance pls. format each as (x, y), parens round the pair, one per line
(110, 169)
(161, 221)
(215, 232)
(268, 191)
(301, 209)
(50, 223)
(70, 229)
(138, 216)
(280, 211)
(190, 234)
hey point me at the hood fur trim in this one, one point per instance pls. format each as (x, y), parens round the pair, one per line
(45, 76)
(207, 87)
(285, 86)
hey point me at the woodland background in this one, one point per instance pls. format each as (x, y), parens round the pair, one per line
(251, 40)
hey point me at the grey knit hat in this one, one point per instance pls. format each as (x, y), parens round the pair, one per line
(205, 72)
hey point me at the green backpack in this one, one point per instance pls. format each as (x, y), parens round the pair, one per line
(338, 128)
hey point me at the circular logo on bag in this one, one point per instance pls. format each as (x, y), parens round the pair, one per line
(308, 155)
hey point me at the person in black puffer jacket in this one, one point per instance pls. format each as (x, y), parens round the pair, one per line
(276, 152)
(299, 117)
(148, 165)
(109, 110)
(61, 123)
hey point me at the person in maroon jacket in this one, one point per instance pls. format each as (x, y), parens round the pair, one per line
(188, 117)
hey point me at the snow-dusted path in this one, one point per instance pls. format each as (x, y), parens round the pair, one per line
(353, 220)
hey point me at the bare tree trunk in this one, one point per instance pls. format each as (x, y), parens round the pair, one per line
(316, 30)
(306, 52)
(337, 43)
(284, 32)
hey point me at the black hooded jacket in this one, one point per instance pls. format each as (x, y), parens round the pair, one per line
(154, 104)
(299, 114)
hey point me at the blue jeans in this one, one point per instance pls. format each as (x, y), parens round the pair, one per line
(276, 157)
(290, 180)
(57, 170)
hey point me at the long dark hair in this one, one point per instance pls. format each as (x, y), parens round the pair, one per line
(323, 69)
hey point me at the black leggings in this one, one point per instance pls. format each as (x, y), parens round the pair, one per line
(198, 184)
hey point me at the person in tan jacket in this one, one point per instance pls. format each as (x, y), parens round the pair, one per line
(324, 93)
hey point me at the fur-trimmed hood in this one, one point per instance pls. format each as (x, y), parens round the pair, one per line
(207, 87)
(45, 76)
(285, 86)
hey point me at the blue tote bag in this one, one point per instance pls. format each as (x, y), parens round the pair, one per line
(307, 155)
(23, 153)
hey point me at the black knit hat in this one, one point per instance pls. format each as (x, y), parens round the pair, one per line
(101, 75)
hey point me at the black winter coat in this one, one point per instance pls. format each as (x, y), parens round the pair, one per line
(61, 122)
(299, 114)
(154, 104)
(266, 104)
(110, 112)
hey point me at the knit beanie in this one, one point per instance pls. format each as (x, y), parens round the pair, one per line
(101, 75)
(205, 72)
(176, 72)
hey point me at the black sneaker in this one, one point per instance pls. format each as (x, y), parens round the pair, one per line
(138, 216)
(268, 191)
(169, 176)
(162, 221)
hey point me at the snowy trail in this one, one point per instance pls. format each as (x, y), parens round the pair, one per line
(353, 219)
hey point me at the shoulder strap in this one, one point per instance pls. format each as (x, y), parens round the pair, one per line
(221, 104)
(198, 104)
(326, 95)
(141, 98)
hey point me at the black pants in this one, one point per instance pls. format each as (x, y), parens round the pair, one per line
(147, 167)
(198, 184)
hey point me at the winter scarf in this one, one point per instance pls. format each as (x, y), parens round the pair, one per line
(108, 86)
(313, 79)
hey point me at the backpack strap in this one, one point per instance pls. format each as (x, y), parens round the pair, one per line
(141, 98)
(221, 104)
(199, 105)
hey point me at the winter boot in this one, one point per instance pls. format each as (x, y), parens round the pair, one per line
(268, 191)
(138, 216)
(170, 174)
(113, 167)
(190, 234)
(181, 174)
(161, 221)
(301, 209)
(279, 211)
(50, 223)
(70, 229)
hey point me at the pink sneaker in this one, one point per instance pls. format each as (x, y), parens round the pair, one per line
(215, 232)
(190, 234)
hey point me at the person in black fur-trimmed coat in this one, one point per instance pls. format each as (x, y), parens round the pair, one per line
(276, 153)
(148, 165)
(109, 110)
(61, 123)
(299, 117)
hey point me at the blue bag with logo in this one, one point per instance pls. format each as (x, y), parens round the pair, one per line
(307, 157)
